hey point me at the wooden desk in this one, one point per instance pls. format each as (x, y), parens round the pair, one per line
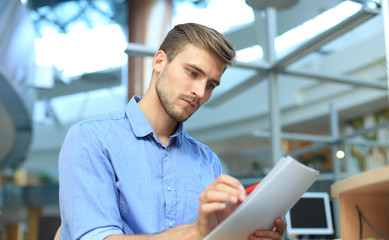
(370, 191)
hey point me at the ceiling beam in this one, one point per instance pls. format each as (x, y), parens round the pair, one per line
(358, 82)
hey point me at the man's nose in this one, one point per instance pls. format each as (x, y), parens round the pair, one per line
(199, 87)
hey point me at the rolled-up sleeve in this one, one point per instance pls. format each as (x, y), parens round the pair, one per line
(88, 195)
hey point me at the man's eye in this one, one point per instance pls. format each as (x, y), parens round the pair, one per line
(193, 73)
(211, 85)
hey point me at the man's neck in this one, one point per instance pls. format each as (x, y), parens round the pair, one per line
(163, 125)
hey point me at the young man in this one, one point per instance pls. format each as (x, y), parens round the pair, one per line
(137, 174)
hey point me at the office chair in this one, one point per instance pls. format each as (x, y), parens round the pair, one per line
(57, 234)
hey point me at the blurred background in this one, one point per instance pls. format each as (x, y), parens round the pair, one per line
(311, 81)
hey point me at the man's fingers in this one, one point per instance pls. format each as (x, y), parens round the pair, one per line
(237, 192)
(266, 234)
(227, 180)
(212, 207)
(280, 226)
(227, 185)
(219, 196)
(277, 232)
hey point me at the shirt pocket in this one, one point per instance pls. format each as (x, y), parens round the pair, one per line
(192, 202)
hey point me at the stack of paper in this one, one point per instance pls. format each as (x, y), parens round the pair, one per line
(273, 197)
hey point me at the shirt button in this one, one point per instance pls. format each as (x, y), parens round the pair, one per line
(166, 153)
(171, 224)
(169, 188)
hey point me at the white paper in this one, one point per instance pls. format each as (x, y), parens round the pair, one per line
(273, 197)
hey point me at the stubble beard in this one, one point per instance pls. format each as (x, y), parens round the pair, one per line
(164, 98)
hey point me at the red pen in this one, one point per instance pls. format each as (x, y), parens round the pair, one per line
(251, 188)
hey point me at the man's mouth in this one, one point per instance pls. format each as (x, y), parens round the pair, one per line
(191, 103)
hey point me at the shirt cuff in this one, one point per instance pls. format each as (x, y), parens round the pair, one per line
(101, 233)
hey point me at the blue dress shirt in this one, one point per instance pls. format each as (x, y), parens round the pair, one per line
(116, 177)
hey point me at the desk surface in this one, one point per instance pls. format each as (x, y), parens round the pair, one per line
(372, 183)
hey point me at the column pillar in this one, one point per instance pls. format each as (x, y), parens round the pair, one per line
(148, 21)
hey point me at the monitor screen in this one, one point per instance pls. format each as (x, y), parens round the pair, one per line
(311, 215)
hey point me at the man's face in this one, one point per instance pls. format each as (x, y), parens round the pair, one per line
(187, 82)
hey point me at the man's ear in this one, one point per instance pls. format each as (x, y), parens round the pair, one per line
(159, 61)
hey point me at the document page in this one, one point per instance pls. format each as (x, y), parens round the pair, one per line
(281, 188)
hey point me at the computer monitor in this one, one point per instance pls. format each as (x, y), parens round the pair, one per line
(311, 215)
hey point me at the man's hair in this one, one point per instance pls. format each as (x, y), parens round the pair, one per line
(200, 36)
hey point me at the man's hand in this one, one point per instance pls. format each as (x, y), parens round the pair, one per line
(275, 234)
(220, 199)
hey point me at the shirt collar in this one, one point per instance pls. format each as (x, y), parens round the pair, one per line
(179, 134)
(139, 123)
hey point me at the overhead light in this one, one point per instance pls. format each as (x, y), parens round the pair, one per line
(340, 154)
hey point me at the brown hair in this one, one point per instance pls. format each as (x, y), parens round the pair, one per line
(201, 36)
